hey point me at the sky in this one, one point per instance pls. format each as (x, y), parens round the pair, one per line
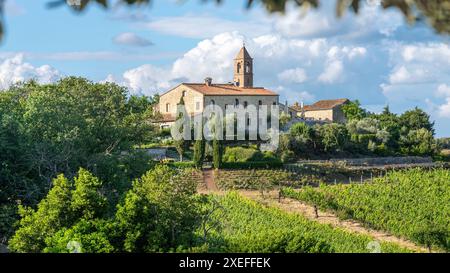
(374, 57)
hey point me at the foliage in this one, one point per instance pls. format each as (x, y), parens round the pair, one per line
(334, 137)
(256, 179)
(52, 129)
(182, 144)
(217, 153)
(252, 227)
(353, 110)
(199, 153)
(158, 213)
(246, 154)
(416, 119)
(91, 235)
(66, 203)
(412, 203)
(419, 142)
(252, 165)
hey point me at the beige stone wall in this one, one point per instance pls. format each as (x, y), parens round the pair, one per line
(173, 98)
(324, 115)
(230, 100)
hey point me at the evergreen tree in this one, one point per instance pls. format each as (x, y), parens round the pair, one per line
(217, 153)
(199, 153)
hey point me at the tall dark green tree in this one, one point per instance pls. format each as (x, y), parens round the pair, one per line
(181, 144)
(217, 153)
(199, 153)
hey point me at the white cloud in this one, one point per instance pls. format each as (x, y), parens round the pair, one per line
(296, 75)
(131, 39)
(333, 72)
(443, 91)
(145, 79)
(444, 109)
(274, 57)
(14, 69)
(401, 75)
(203, 26)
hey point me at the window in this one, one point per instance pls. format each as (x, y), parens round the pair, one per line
(245, 104)
(212, 102)
(247, 67)
(184, 93)
(275, 103)
(197, 105)
(260, 102)
(248, 121)
(239, 68)
(167, 107)
(236, 102)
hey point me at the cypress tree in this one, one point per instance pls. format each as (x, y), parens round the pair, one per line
(217, 153)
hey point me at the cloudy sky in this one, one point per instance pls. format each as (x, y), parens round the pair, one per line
(374, 57)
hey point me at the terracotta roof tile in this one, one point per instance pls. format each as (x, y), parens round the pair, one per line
(229, 90)
(322, 105)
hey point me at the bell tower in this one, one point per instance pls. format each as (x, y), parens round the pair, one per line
(243, 69)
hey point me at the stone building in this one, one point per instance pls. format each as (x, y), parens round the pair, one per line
(197, 96)
(323, 110)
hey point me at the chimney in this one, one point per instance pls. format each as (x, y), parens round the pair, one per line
(208, 81)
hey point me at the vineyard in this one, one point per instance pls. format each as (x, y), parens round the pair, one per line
(414, 204)
(242, 225)
(257, 179)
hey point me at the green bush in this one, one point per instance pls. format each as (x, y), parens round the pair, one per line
(253, 165)
(182, 165)
(242, 154)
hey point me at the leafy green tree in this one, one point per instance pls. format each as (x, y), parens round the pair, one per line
(334, 137)
(86, 236)
(301, 137)
(181, 144)
(391, 124)
(66, 203)
(353, 110)
(419, 142)
(416, 119)
(158, 214)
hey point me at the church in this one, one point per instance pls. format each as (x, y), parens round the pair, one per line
(197, 96)
(240, 91)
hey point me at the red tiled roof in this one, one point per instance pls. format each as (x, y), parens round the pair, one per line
(322, 105)
(229, 90)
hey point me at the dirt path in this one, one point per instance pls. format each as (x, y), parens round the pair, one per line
(294, 206)
(208, 180)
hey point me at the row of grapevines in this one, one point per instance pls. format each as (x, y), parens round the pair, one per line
(256, 179)
(247, 226)
(414, 204)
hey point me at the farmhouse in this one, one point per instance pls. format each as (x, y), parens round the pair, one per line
(323, 110)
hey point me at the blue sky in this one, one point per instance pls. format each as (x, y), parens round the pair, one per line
(375, 57)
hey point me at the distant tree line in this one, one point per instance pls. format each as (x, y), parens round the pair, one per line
(410, 133)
